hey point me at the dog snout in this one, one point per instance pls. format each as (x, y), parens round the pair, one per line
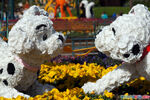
(40, 26)
(61, 38)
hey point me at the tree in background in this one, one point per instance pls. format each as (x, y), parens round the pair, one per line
(97, 2)
(134, 2)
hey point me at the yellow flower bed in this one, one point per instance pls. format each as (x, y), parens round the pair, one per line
(68, 79)
(69, 94)
(72, 75)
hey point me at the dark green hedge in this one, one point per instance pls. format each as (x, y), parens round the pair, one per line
(108, 10)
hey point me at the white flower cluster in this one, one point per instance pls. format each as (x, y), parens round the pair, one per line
(34, 36)
(31, 42)
(126, 37)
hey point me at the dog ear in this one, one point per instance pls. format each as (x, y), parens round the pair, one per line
(18, 41)
(139, 10)
(43, 12)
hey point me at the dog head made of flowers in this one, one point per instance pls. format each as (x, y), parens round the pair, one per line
(126, 37)
(33, 37)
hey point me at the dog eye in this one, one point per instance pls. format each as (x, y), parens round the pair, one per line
(39, 26)
(44, 37)
(114, 31)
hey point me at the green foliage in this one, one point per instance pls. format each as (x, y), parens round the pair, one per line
(97, 2)
(134, 2)
(109, 10)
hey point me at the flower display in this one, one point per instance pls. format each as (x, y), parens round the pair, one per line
(69, 74)
(108, 94)
(72, 75)
(69, 94)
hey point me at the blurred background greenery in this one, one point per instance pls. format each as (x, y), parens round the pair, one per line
(107, 6)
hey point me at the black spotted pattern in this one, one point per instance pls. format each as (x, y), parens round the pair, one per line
(1, 71)
(5, 82)
(11, 68)
(136, 49)
(132, 11)
(61, 38)
(126, 55)
(114, 31)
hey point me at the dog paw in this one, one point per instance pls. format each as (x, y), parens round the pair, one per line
(89, 87)
(24, 95)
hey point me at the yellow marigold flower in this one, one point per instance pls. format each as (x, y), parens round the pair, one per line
(20, 98)
(58, 96)
(86, 98)
(142, 78)
(74, 98)
(64, 33)
(108, 94)
(37, 97)
(92, 92)
(99, 99)
(2, 98)
(52, 74)
(54, 90)
(126, 94)
(31, 98)
(46, 79)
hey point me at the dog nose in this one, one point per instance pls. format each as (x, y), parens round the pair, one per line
(61, 38)
(39, 26)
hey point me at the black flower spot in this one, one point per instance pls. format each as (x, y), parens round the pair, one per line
(11, 68)
(126, 55)
(61, 38)
(5, 82)
(136, 49)
(132, 11)
(1, 71)
(114, 31)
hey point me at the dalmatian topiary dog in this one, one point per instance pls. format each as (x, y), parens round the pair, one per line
(87, 9)
(126, 39)
(31, 42)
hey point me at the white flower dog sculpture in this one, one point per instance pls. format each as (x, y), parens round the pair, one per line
(126, 39)
(31, 41)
